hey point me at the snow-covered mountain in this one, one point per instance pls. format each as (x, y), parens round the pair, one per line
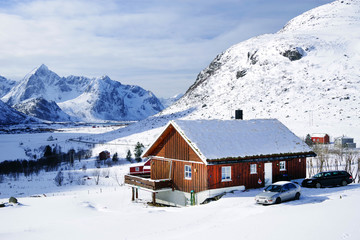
(5, 85)
(8, 115)
(43, 83)
(306, 75)
(166, 102)
(43, 109)
(82, 98)
(110, 100)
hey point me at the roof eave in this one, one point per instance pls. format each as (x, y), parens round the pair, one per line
(260, 158)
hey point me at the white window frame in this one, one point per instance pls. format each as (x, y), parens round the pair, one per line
(226, 174)
(253, 168)
(282, 165)
(187, 172)
(137, 169)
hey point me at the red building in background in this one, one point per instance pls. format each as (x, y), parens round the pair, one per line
(142, 168)
(320, 138)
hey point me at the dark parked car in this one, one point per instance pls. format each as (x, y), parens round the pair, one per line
(330, 178)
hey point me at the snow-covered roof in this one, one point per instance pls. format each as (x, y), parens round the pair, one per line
(217, 139)
(318, 135)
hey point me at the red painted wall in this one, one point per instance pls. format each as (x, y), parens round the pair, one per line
(322, 140)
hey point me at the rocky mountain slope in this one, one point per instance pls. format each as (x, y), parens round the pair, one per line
(5, 85)
(110, 100)
(43, 109)
(80, 98)
(8, 115)
(306, 75)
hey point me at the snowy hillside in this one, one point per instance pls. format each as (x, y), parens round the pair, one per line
(5, 86)
(82, 98)
(306, 75)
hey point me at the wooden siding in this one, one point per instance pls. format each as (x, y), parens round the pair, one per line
(240, 173)
(172, 145)
(161, 169)
(323, 140)
(295, 168)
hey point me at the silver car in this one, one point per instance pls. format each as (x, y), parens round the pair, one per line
(279, 192)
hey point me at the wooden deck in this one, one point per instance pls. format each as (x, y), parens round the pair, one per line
(145, 182)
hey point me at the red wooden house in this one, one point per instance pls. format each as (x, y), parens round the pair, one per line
(104, 155)
(194, 160)
(322, 138)
(141, 168)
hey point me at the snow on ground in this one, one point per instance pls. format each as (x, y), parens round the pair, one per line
(84, 210)
(105, 211)
(15, 146)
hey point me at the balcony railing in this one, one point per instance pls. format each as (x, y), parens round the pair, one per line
(146, 182)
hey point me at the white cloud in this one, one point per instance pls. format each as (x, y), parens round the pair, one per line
(149, 43)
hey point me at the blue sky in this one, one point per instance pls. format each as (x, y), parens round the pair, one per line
(160, 45)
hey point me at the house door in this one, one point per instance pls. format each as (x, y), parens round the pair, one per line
(268, 174)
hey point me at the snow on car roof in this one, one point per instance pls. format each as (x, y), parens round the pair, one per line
(281, 183)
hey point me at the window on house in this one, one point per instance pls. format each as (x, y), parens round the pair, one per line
(225, 174)
(282, 166)
(137, 169)
(187, 171)
(253, 169)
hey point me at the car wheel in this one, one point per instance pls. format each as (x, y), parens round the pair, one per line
(297, 196)
(318, 185)
(344, 183)
(278, 200)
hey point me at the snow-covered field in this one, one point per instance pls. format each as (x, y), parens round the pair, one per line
(23, 146)
(105, 211)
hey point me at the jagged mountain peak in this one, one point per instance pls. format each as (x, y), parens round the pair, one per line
(42, 68)
(42, 72)
(104, 78)
(42, 93)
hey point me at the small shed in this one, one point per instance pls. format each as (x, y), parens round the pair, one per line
(104, 155)
(320, 138)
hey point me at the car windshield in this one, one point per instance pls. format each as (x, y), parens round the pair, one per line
(273, 188)
(319, 175)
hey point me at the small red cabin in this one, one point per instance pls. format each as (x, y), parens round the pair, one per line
(321, 138)
(143, 168)
(104, 155)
